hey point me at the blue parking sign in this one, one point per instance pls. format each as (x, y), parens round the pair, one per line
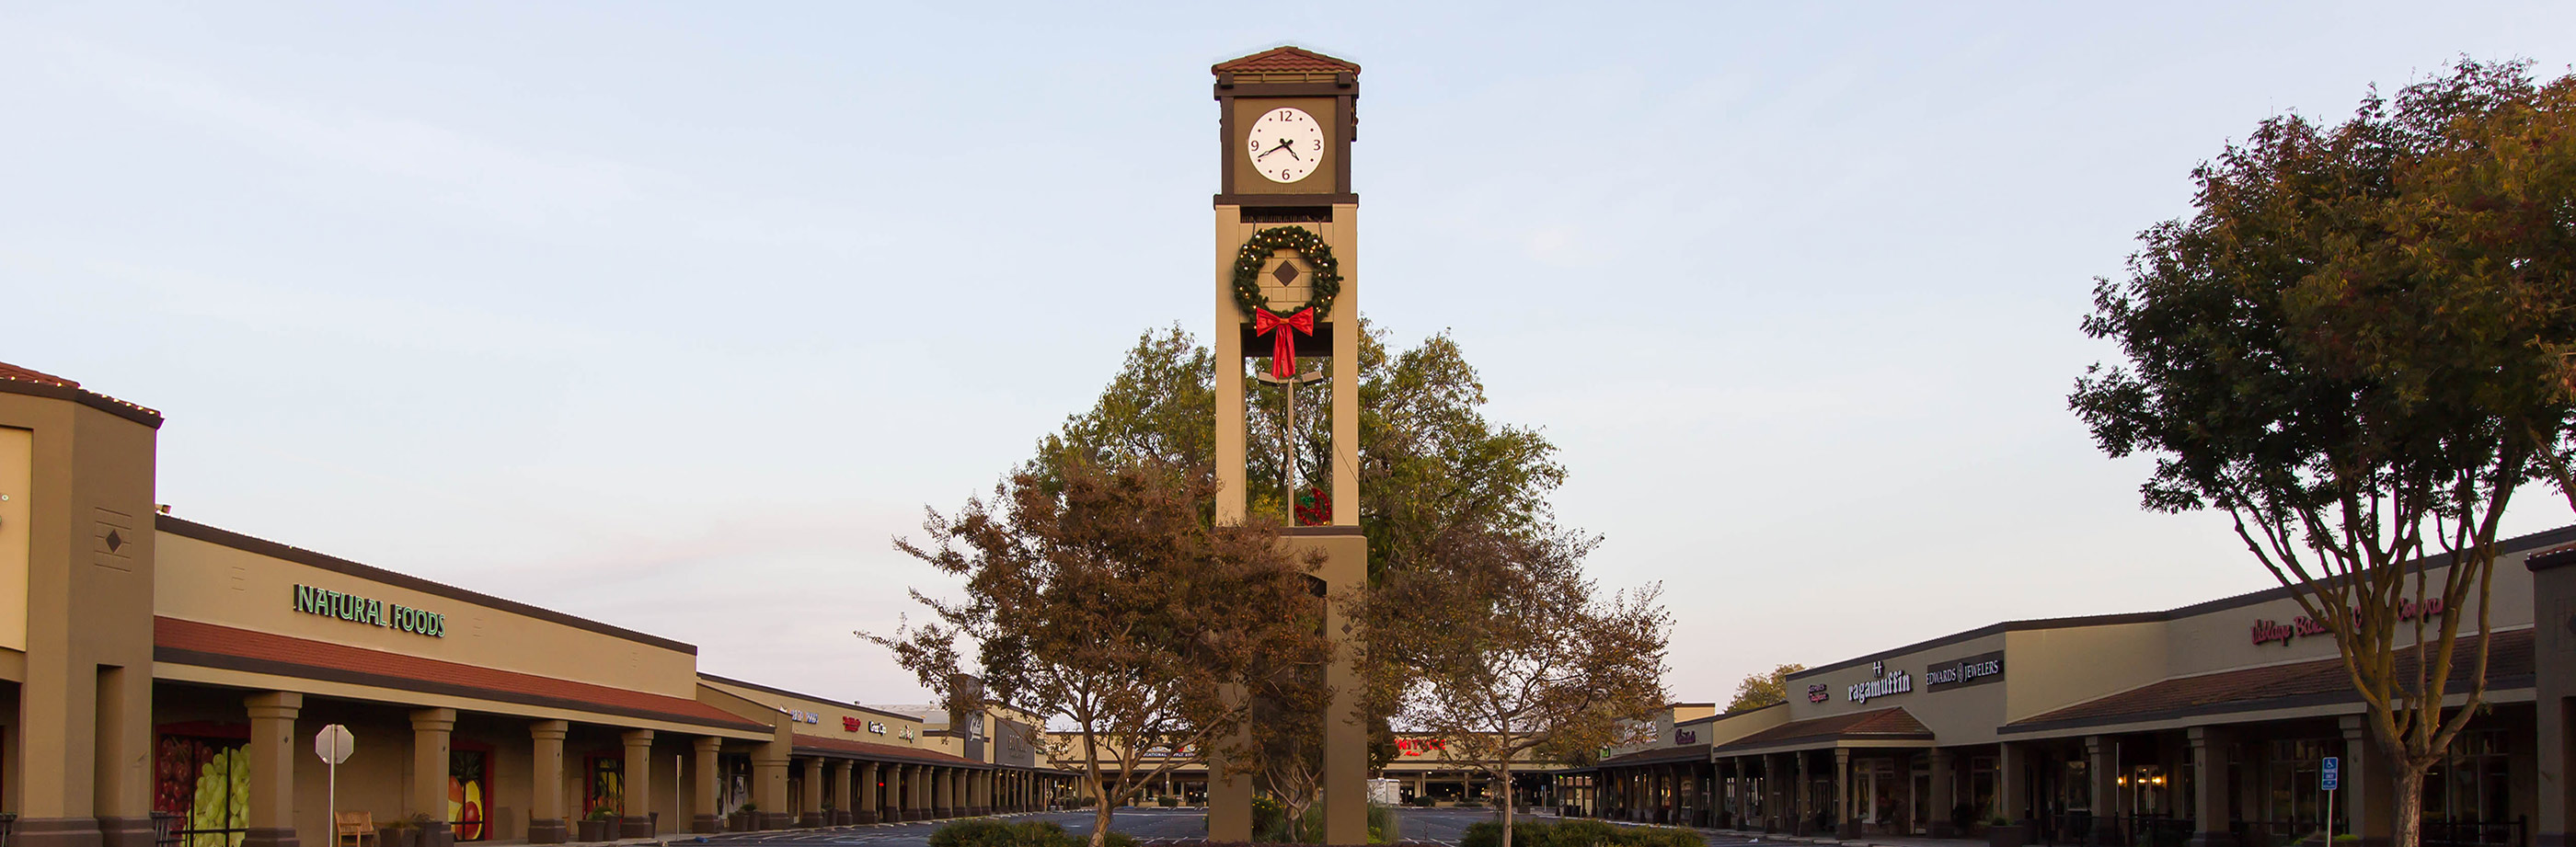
(2331, 774)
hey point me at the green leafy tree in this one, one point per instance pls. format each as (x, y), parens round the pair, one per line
(1106, 599)
(1763, 689)
(1438, 482)
(2352, 349)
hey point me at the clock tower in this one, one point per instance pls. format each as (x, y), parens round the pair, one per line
(1287, 320)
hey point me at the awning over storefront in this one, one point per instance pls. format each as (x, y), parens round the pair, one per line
(1889, 727)
(2320, 685)
(178, 645)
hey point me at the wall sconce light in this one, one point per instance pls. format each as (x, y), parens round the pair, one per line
(2160, 779)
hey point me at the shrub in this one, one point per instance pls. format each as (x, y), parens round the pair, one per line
(1267, 814)
(1417, 801)
(987, 832)
(1578, 833)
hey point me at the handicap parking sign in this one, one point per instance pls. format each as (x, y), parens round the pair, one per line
(2331, 774)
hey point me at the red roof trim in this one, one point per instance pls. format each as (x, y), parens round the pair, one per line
(201, 644)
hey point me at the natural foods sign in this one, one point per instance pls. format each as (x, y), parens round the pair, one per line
(356, 609)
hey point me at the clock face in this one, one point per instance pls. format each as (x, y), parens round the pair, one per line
(1286, 144)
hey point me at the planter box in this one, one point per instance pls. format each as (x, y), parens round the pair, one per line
(594, 830)
(2011, 835)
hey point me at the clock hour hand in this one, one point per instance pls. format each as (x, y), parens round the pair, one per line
(1283, 145)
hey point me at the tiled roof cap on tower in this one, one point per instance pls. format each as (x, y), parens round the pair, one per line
(1285, 60)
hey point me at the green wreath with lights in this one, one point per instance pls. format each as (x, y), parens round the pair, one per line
(1327, 272)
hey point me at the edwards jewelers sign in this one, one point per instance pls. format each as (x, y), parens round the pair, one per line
(356, 609)
(1980, 668)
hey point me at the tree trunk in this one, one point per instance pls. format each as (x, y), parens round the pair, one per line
(2410, 807)
(1507, 800)
(1100, 819)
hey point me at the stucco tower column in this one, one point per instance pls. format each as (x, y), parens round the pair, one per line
(637, 802)
(706, 785)
(2012, 781)
(809, 801)
(430, 760)
(1944, 787)
(272, 768)
(546, 823)
(2209, 790)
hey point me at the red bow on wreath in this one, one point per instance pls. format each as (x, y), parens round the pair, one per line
(1283, 346)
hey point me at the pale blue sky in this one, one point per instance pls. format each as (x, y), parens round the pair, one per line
(643, 312)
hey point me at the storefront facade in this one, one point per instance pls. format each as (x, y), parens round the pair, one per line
(169, 678)
(2205, 724)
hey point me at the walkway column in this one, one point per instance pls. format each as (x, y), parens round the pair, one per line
(272, 768)
(943, 793)
(845, 803)
(1944, 787)
(2101, 763)
(546, 824)
(2368, 786)
(2012, 782)
(2208, 746)
(637, 802)
(430, 729)
(1844, 821)
(706, 790)
(809, 802)
(865, 806)
(769, 782)
(1806, 817)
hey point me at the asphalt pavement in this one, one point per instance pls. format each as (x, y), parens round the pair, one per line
(1147, 825)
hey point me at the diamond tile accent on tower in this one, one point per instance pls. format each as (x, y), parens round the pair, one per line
(1287, 273)
(115, 542)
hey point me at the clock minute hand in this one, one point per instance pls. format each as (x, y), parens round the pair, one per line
(1283, 145)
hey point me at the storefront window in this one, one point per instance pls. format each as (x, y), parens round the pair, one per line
(469, 793)
(206, 782)
(607, 784)
(1981, 786)
(2470, 783)
(2290, 782)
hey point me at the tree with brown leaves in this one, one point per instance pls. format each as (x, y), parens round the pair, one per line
(1105, 600)
(1538, 661)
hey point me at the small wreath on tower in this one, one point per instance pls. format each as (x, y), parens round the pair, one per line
(1282, 325)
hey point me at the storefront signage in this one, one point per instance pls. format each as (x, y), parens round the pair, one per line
(1419, 746)
(1685, 736)
(2266, 632)
(1983, 667)
(356, 609)
(802, 716)
(850, 724)
(1883, 684)
(1819, 693)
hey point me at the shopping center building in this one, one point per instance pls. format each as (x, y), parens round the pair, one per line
(2205, 724)
(169, 679)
